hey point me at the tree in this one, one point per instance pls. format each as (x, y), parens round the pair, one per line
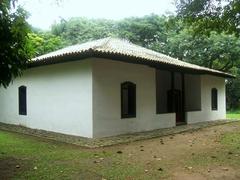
(13, 41)
(79, 30)
(211, 15)
(43, 42)
(233, 92)
(144, 31)
(217, 51)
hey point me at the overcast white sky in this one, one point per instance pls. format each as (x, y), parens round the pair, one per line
(46, 12)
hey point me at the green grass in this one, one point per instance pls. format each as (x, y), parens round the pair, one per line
(232, 140)
(234, 114)
(61, 161)
(228, 153)
(56, 160)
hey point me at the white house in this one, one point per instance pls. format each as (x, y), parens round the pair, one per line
(109, 87)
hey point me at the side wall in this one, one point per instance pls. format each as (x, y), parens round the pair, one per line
(59, 99)
(207, 114)
(107, 78)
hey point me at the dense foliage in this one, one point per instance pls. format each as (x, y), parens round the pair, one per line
(43, 42)
(208, 15)
(13, 41)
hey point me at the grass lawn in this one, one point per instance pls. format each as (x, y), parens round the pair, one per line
(211, 153)
(233, 114)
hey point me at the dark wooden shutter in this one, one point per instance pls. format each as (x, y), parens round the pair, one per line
(128, 100)
(214, 99)
(22, 95)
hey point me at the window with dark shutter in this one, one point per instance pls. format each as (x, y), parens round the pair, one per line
(214, 99)
(22, 95)
(128, 100)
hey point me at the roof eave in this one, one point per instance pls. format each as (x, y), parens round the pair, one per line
(124, 58)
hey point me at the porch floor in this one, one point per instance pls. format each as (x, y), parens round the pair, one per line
(114, 140)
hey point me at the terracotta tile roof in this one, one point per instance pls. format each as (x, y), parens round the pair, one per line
(114, 47)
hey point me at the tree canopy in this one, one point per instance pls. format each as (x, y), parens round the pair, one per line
(211, 15)
(14, 51)
(43, 42)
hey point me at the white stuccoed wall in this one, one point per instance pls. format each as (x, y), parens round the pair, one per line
(83, 98)
(107, 78)
(59, 99)
(207, 114)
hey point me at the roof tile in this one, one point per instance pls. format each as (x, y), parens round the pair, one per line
(116, 46)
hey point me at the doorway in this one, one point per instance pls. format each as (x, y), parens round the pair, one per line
(175, 104)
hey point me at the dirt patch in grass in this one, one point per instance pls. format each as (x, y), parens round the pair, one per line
(209, 171)
(213, 173)
(11, 167)
(191, 155)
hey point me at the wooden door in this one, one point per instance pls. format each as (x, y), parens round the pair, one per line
(175, 104)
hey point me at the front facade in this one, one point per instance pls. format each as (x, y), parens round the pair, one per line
(84, 98)
(152, 101)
